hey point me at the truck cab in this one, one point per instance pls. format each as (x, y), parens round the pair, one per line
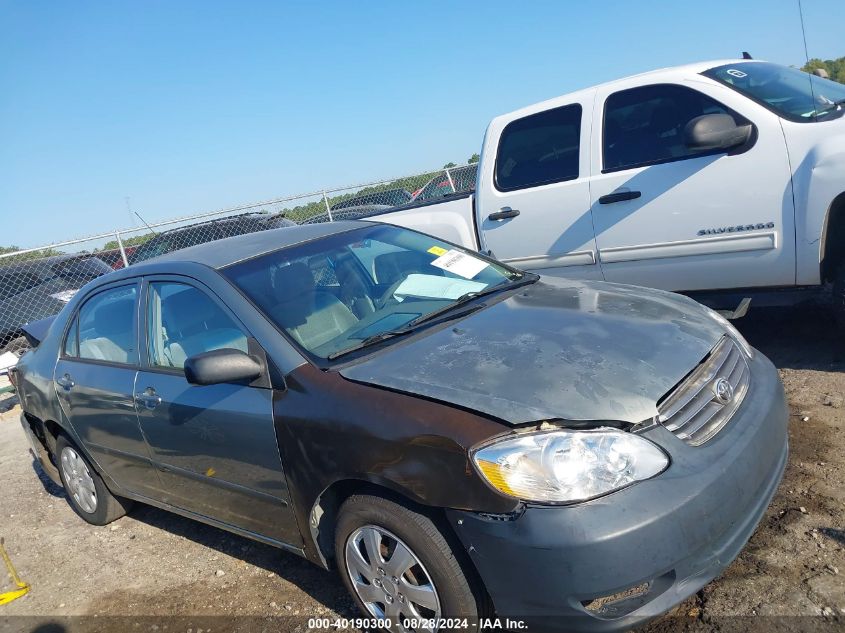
(720, 177)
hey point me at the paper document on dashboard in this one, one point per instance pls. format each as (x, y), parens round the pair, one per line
(460, 263)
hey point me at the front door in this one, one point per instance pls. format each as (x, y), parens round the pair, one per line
(672, 218)
(533, 205)
(95, 380)
(215, 445)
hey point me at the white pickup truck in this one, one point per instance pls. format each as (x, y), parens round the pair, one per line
(723, 180)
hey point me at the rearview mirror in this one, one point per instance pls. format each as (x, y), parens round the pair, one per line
(715, 131)
(221, 365)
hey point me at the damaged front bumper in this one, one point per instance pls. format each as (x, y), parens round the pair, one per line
(617, 561)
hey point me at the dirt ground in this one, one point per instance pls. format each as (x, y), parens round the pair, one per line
(189, 577)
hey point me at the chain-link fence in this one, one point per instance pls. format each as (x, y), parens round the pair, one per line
(35, 283)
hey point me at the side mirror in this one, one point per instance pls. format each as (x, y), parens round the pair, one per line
(715, 131)
(221, 365)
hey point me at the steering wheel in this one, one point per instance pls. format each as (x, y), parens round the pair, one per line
(388, 294)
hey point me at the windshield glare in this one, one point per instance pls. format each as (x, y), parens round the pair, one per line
(789, 92)
(332, 293)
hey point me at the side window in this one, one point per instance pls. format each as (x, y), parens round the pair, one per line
(183, 321)
(539, 149)
(72, 340)
(644, 126)
(107, 326)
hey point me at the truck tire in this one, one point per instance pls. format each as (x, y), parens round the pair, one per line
(86, 492)
(416, 574)
(838, 297)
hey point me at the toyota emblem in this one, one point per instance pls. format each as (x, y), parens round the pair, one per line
(724, 391)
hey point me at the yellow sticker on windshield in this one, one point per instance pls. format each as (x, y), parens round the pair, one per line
(436, 250)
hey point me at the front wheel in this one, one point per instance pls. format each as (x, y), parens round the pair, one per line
(398, 565)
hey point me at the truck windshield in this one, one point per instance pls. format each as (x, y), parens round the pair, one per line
(339, 293)
(788, 92)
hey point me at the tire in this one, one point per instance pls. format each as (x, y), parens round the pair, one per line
(838, 298)
(86, 493)
(457, 591)
(18, 346)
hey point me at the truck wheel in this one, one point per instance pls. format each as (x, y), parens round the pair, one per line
(18, 346)
(86, 492)
(397, 564)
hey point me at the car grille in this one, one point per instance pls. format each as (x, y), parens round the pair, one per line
(694, 411)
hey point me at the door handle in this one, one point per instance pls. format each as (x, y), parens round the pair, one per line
(65, 382)
(619, 196)
(149, 398)
(503, 214)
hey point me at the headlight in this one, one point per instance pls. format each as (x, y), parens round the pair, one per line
(565, 466)
(732, 332)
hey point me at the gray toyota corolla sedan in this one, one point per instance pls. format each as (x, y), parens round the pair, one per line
(461, 440)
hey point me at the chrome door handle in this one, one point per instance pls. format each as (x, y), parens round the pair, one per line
(65, 382)
(149, 398)
(503, 214)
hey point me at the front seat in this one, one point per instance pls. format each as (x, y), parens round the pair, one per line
(312, 317)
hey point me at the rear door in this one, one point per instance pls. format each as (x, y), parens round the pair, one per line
(672, 218)
(533, 200)
(215, 445)
(95, 379)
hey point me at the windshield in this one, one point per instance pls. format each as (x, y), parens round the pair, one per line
(332, 294)
(789, 92)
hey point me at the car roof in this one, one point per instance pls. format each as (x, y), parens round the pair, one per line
(670, 74)
(36, 262)
(254, 215)
(227, 251)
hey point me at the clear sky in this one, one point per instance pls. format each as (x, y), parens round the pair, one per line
(187, 106)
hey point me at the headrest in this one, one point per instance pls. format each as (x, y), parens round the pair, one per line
(115, 317)
(188, 307)
(665, 118)
(293, 281)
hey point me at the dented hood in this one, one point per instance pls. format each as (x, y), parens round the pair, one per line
(557, 348)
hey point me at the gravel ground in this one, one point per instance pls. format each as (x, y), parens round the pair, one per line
(189, 577)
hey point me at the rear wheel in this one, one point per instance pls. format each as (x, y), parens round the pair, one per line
(397, 564)
(86, 492)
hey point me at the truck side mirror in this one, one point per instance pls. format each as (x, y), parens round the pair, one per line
(715, 131)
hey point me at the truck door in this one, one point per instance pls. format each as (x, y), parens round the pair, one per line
(669, 217)
(533, 198)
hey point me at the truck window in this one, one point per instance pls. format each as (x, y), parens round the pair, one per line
(539, 149)
(645, 126)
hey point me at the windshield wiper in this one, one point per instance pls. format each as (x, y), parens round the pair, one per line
(831, 106)
(431, 316)
(370, 340)
(468, 296)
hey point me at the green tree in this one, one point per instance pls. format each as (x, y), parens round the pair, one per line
(835, 67)
(127, 241)
(474, 158)
(449, 165)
